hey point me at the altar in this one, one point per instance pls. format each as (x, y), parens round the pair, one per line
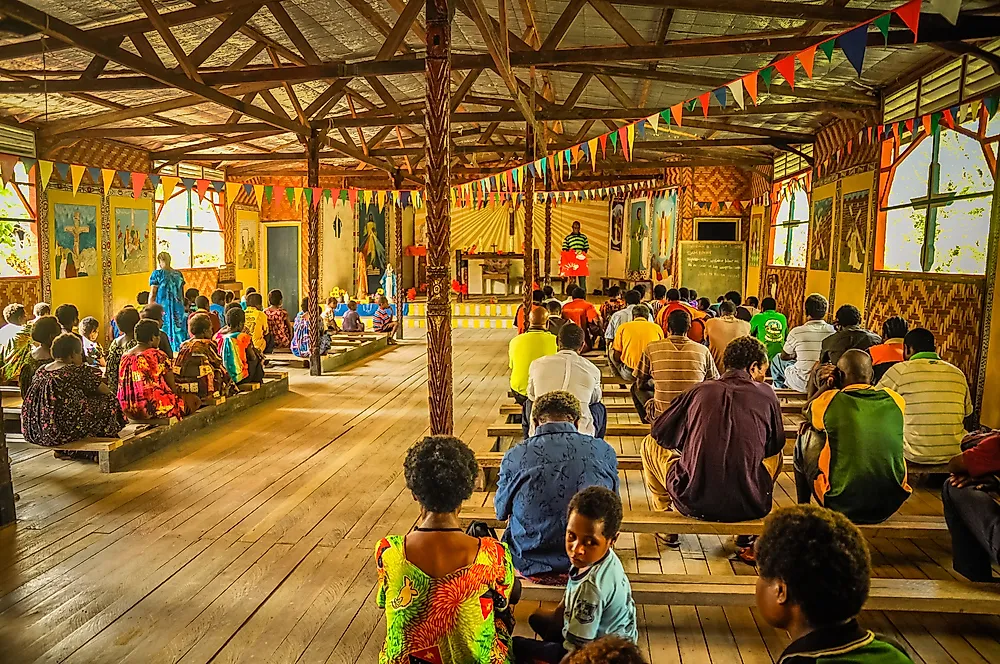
(483, 273)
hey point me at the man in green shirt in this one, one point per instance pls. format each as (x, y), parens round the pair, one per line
(770, 327)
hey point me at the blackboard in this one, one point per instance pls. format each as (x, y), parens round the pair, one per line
(283, 265)
(712, 268)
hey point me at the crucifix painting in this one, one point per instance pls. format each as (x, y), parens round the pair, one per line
(76, 240)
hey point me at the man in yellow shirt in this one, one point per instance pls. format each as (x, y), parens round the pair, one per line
(256, 321)
(526, 348)
(631, 340)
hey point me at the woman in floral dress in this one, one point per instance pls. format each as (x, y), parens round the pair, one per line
(167, 290)
(146, 388)
(67, 400)
(198, 360)
(277, 321)
(43, 332)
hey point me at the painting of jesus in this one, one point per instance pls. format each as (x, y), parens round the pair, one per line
(131, 240)
(76, 240)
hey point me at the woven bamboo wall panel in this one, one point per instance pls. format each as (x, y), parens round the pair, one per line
(20, 290)
(204, 279)
(836, 137)
(952, 310)
(760, 181)
(103, 154)
(787, 285)
(720, 183)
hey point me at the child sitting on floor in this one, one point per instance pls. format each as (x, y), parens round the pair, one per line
(242, 360)
(93, 354)
(330, 315)
(190, 295)
(300, 335)
(383, 321)
(256, 322)
(201, 306)
(125, 320)
(154, 312)
(277, 322)
(598, 599)
(352, 319)
(814, 579)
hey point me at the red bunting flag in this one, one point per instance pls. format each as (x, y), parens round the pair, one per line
(623, 140)
(910, 13)
(786, 67)
(926, 122)
(949, 119)
(603, 138)
(138, 180)
(201, 186)
(704, 103)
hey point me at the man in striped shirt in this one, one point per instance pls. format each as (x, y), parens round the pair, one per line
(577, 241)
(803, 346)
(937, 400)
(669, 367)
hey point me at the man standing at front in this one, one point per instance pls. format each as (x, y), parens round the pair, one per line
(577, 241)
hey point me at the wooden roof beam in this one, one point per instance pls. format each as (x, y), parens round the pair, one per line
(189, 69)
(229, 26)
(765, 8)
(293, 33)
(562, 25)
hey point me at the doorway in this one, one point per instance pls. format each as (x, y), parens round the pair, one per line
(283, 270)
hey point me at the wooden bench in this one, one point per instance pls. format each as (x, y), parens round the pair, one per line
(787, 408)
(637, 429)
(927, 595)
(113, 454)
(348, 347)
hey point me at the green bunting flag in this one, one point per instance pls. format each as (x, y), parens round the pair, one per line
(882, 23)
(268, 193)
(767, 73)
(827, 48)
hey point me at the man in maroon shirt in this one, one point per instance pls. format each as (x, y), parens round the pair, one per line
(714, 453)
(972, 507)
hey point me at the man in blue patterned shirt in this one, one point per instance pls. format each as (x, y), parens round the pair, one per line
(539, 477)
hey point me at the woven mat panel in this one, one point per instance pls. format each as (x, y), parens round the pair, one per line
(836, 136)
(204, 279)
(720, 183)
(787, 285)
(760, 181)
(103, 154)
(20, 290)
(952, 310)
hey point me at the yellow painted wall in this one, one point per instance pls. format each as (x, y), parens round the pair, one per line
(818, 281)
(125, 287)
(851, 287)
(249, 277)
(84, 292)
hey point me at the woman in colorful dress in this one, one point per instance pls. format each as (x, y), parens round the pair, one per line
(300, 333)
(277, 322)
(146, 387)
(242, 360)
(43, 332)
(15, 343)
(67, 401)
(125, 320)
(446, 594)
(167, 290)
(198, 360)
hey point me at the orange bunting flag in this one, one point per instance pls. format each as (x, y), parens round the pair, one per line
(676, 111)
(201, 185)
(807, 57)
(45, 171)
(926, 121)
(232, 191)
(623, 141)
(76, 174)
(704, 103)
(168, 182)
(139, 180)
(750, 83)
(603, 140)
(786, 67)
(108, 178)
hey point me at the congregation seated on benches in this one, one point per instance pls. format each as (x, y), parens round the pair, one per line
(198, 366)
(279, 327)
(525, 348)
(539, 476)
(631, 340)
(242, 359)
(971, 499)
(43, 332)
(567, 370)
(147, 388)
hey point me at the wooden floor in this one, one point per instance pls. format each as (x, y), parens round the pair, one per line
(253, 542)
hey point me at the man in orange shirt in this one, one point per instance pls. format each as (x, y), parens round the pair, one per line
(697, 330)
(584, 314)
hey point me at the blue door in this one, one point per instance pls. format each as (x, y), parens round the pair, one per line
(283, 265)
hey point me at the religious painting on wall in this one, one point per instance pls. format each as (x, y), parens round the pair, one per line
(371, 243)
(756, 221)
(76, 240)
(131, 240)
(664, 235)
(822, 234)
(247, 258)
(617, 223)
(638, 235)
(854, 231)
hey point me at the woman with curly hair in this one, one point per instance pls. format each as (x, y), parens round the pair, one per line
(445, 593)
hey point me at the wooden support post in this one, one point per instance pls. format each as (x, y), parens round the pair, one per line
(312, 264)
(548, 240)
(7, 512)
(437, 75)
(528, 191)
(400, 297)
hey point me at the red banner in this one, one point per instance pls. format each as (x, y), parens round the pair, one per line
(573, 264)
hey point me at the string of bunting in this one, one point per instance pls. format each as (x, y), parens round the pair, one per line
(852, 42)
(466, 197)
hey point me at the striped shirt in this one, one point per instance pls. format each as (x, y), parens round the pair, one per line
(576, 242)
(382, 319)
(673, 364)
(937, 401)
(805, 343)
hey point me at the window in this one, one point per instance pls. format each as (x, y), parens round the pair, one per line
(935, 214)
(790, 228)
(18, 227)
(189, 228)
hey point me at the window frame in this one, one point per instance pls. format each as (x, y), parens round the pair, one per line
(218, 208)
(805, 179)
(27, 200)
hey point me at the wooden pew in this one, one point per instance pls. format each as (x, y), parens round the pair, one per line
(638, 429)
(787, 408)
(926, 595)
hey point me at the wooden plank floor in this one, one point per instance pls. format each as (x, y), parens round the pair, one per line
(253, 542)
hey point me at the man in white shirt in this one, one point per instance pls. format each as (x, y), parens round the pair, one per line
(568, 371)
(937, 398)
(632, 298)
(803, 346)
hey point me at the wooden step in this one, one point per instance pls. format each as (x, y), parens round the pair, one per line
(638, 429)
(645, 521)
(927, 595)
(82, 445)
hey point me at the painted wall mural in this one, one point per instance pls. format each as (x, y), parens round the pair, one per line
(854, 231)
(247, 257)
(132, 240)
(664, 235)
(76, 240)
(617, 224)
(822, 234)
(638, 235)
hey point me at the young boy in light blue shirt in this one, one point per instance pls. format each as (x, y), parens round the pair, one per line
(598, 599)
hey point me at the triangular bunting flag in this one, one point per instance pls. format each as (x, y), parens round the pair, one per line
(297, 196)
(882, 23)
(827, 48)
(268, 193)
(28, 163)
(807, 58)
(290, 195)
(665, 116)
(108, 178)
(910, 14)
(63, 170)
(909, 126)
(76, 174)
(750, 83)
(188, 183)
(853, 44)
(767, 74)
(258, 194)
(736, 87)
(232, 191)
(95, 174)
(154, 181)
(169, 182)
(926, 122)
(218, 186)
(948, 8)
(623, 140)
(7, 164)
(654, 121)
(592, 147)
(630, 133)
(613, 137)
(949, 118)
(309, 195)
(991, 104)
(720, 96)
(44, 171)
(125, 177)
(201, 186)
(786, 67)
(676, 111)
(935, 123)
(704, 103)
(138, 180)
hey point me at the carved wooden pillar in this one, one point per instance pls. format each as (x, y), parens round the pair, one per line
(397, 182)
(548, 241)
(528, 189)
(8, 514)
(437, 74)
(312, 262)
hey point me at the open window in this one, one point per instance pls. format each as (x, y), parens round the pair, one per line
(189, 228)
(790, 223)
(19, 226)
